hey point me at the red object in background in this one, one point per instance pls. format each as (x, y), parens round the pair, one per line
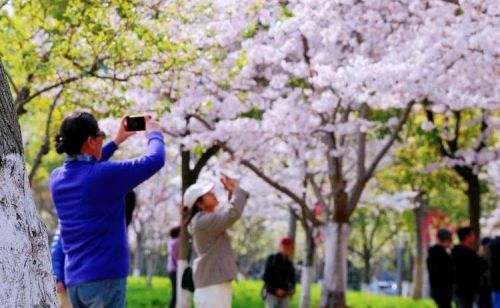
(435, 221)
(286, 241)
(424, 227)
(318, 209)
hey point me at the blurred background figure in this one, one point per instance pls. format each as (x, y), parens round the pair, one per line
(485, 299)
(173, 254)
(279, 276)
(494, 269)
(440, 269)
(468, 268)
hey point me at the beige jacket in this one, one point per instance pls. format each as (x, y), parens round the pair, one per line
(216, 261)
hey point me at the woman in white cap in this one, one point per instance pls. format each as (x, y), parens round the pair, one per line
(215, 266)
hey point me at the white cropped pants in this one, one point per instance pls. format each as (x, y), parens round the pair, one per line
(214, 296)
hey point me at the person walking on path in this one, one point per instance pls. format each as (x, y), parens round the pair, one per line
(89, 195)
(215, 265)
(494, 269)
(440, 268)
(173, 254)
(468, 268)
(279, 276)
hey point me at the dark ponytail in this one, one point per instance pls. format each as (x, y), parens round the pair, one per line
(74, 131)
(59, 141)
(194, 210)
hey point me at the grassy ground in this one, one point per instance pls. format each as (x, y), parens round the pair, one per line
(246, 294)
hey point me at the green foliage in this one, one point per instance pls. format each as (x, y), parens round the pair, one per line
(442, 188)
(251, 31)
(298, 83)
(383, 115)
(254, 113)
(253, 240)
(241, 61)
(246, 294)
(374, 229)
(92, 49)
(285, 11)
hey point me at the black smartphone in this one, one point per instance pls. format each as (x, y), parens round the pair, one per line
(136, 123)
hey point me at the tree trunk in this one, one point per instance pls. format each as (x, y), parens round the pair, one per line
(292, 226)
(25, 266)
(474, 196)
(183, 296)
(419, 265)
(136, 272)
(150, 266)
(367, 268)
(307, 274)
(335, 276)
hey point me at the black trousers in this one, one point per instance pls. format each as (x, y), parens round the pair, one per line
(442, 301)
(173, 280)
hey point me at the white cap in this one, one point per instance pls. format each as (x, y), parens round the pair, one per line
(195, 191)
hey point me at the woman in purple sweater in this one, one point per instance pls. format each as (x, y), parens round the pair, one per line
(89, 195)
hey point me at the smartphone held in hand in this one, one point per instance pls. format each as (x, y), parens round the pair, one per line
(136, 123)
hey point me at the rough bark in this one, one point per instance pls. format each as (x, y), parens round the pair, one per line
(335, 279)
(25, 266)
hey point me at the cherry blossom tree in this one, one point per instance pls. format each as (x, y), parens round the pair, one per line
(321, 71)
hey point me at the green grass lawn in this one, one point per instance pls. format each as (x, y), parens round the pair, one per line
(246, 294)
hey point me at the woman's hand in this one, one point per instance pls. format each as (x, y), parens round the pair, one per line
(123, 133)
(229, 184)
(152, 125)
(60, 287)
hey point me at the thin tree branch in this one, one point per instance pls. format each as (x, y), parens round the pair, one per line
(360, 184)
(359, 253)
(382, 244)
(374, 229)
(204, 159)
(317, 192)
(11, 81)
(308, 213)
(453, 144)
(4, 3)
(430, 118)
(484, 127)
(23, 101)
(199, 118)
(362, 145)
(344, 119)
(44, 149)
